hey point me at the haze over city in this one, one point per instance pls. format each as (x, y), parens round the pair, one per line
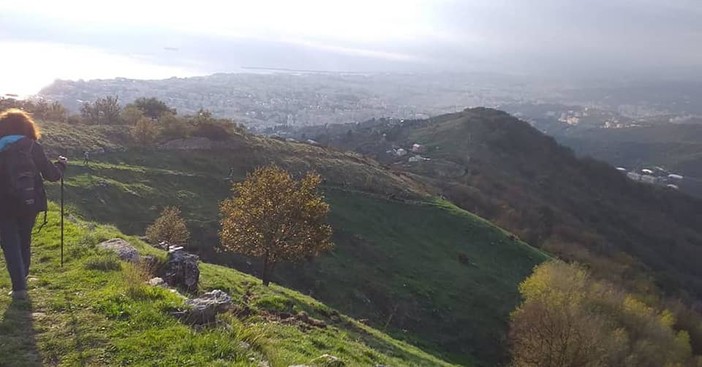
(161, 39)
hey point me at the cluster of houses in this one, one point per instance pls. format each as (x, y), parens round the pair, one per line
(653, 176)
(413, 153)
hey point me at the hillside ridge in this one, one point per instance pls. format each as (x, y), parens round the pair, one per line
(399, 251)
(96, 310)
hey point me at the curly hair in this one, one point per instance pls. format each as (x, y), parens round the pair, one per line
(17, 122)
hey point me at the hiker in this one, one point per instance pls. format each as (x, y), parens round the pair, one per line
(86, 157)
(23, 166)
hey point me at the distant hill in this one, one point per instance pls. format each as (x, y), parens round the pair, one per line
(499, 167)
(415, 266)
(675, 147)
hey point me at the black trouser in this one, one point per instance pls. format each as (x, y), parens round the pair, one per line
(16, 239)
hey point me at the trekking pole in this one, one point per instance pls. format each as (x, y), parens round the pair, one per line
(61, 220)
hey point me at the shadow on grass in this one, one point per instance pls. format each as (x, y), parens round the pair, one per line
(74, 327)
(18, 346)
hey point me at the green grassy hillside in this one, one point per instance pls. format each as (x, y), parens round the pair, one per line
(501, 168)
(554, 199)
(96, 311)
(647, 239)
(422, 270)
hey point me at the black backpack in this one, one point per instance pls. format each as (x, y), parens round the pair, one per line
(18, 176)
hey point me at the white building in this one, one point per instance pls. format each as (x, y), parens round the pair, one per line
(675, 177)
(417, 158)
(417, 148)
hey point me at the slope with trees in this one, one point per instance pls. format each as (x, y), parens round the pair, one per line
(569, 319)
(647, 239)
(483, 160)
(419, 268)
(675, 147)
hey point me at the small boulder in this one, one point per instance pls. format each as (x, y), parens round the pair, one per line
(156, 282)
(122, 248)
(181, 270)
(204, 309)
(327, 360)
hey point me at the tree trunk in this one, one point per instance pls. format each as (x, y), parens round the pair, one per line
(266, 270)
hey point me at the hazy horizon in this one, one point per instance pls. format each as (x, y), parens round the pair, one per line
(158, 39)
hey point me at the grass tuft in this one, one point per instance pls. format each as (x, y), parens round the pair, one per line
(103, 262)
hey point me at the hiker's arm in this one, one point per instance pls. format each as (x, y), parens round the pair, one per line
(50, 171)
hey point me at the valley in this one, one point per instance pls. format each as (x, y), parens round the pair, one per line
(414, 256)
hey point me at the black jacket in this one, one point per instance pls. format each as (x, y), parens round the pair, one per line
(45, 171)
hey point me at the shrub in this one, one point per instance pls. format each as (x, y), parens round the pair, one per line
(213, 130)
(130, 115)
(169, 227)
(135, 276)
(145, 131)
(173, 127)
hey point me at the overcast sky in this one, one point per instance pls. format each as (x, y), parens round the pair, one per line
(158, 39)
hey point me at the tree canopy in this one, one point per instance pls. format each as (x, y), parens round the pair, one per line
(152, 107)
(570, 319)
(104, 111)
(275, 217)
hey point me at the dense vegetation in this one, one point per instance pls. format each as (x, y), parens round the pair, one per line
(98, 311)
(569, 319)
(646, 238)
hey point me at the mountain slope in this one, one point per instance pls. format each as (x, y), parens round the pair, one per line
(647, 238)
(423, 270)
(96, 311)
(675, 147)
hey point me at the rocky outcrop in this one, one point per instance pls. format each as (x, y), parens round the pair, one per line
(156, 282)
(181, 270)
(203, 310)
(122, 248)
